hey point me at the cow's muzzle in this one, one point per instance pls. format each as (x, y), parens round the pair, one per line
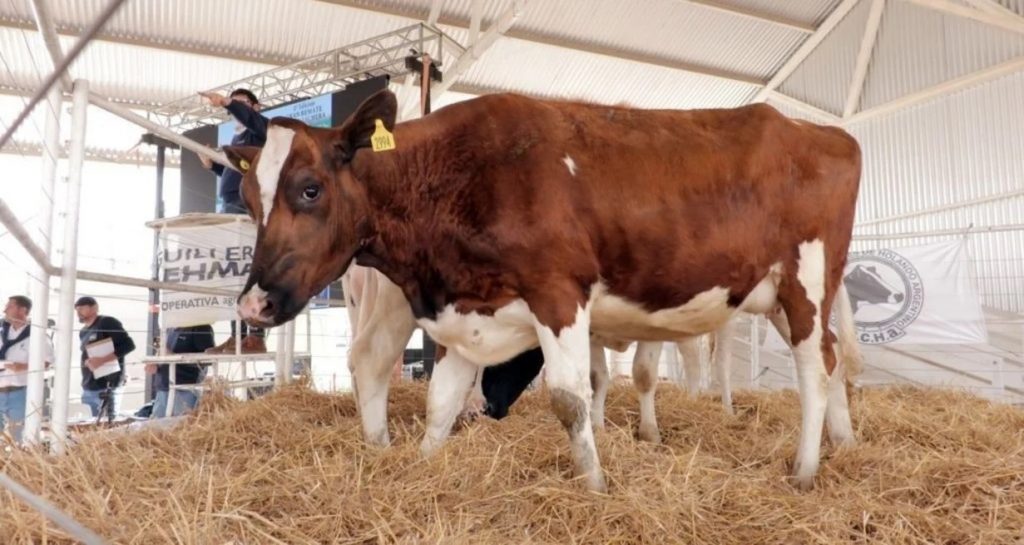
(257, 307)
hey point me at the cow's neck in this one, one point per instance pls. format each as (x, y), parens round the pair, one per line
(399, 235)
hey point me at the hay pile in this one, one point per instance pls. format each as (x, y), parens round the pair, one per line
(932, 467)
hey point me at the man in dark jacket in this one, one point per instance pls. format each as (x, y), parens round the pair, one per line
(180, 340)
(250, 130)
(96, 328)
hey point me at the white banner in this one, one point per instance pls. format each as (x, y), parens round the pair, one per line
(911, 295)
(915, 295)
(211, 256)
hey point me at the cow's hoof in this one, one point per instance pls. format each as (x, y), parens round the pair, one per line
(803, 483)
(650, 434)
(474, 408)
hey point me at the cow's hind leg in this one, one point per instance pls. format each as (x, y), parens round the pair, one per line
(452, 379)
(599, 381)
(645, 379)
(565, 340)
(802, 296)
(837, 409)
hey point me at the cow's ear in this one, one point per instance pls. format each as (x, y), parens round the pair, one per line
(369, 127)
(241, 157)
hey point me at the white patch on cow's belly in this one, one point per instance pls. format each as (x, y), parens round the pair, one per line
(485, 340)
(615, 318)
(490, 340)
(272, 158)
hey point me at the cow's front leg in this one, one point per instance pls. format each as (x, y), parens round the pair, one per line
(566, 348)
(452, 379)
(385, 325)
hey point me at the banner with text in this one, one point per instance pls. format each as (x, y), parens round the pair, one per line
(213, 256)
(911, 295)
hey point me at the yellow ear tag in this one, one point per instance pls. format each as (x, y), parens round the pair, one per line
(382, 140)
(244, 164)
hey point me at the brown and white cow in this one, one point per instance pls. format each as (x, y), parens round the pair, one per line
(510, 223)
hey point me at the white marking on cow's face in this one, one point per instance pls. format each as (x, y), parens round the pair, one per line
(252, 303)
(272, 158)
(570, 163)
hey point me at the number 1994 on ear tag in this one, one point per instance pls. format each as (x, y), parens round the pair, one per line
(382, 140)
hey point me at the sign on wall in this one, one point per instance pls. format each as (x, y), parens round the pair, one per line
(915, 295)
(911, 295)
(211, 256)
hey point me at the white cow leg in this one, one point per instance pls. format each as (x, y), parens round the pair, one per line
(599, 381)
(837, 409)
(689, 351)
(567, 362)
(645, 379)
(373, 354)
(810, 359)
(723, 364)
(452, 379)
(476, 401)
(384, 326)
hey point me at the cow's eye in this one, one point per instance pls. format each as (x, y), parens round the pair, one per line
(311, 193)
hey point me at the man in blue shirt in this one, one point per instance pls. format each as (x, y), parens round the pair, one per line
(250, 130)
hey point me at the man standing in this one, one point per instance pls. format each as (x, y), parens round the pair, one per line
(96, 328)
(250, 130)
(180, 340)
(14, 346)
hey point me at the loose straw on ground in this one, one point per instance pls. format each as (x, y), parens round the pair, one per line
(931, 467)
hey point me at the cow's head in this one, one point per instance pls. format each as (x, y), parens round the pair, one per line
(308, 206)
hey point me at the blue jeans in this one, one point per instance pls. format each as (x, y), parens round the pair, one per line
(12, 411)
(184, 402)
(92, 399)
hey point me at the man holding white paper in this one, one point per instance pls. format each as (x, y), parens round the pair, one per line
(104, 344)
(14, 347)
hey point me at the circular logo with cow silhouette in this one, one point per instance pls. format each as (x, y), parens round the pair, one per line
(886, 293)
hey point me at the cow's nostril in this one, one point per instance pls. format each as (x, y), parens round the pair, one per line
(899, 297)
(268, 308)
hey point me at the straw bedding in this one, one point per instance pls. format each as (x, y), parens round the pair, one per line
(931, 467)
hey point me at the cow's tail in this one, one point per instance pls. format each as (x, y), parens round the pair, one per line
(851, 362)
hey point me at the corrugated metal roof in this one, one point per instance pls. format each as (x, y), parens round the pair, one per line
(562, 73)
(823, 79)
(919, 48)
(812, 11)
(666, 29)
(137, 73)
(277, 30)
